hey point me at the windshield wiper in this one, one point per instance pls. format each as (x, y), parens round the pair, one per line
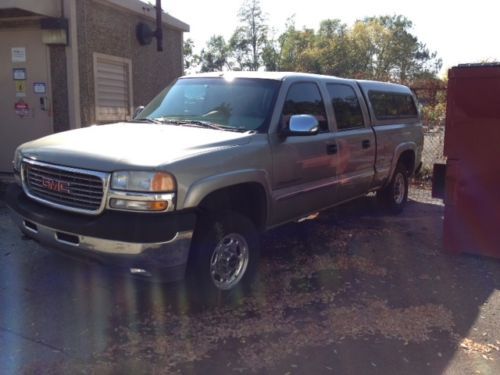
(200, 124)
(149, 120)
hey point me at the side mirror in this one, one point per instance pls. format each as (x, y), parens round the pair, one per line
(303, 125)
(137, 111)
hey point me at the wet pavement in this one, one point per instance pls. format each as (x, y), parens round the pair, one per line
(355, 291)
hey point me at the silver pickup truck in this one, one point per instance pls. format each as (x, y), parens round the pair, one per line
(186, 187)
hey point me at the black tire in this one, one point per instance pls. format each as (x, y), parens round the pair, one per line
(216, 233)
(391, 196)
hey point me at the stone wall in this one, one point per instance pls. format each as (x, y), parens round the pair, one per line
(109, 30)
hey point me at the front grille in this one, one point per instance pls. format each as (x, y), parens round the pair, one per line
(66, 187)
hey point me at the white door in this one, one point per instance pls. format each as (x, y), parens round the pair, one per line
(25, 104)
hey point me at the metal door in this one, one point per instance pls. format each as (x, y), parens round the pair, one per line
(355, 140)
(304, 167)
(472, 202)
(24, 103)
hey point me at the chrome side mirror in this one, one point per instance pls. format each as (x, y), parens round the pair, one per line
(138, 111)
(303, 125)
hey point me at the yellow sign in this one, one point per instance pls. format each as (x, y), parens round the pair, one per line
(20, 88)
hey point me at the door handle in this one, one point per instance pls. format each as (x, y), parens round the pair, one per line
(365, 143)
(331, 149)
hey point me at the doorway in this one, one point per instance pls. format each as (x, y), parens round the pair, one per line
(25, 100)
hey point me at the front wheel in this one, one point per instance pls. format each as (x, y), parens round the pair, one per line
(224, 257)
(395, 195)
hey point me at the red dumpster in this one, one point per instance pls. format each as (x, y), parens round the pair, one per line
(472, 147)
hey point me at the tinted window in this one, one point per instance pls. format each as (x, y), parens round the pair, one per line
(388, 105)
(305, 99)
(346, 106)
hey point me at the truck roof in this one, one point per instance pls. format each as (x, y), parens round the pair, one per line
(279, 76)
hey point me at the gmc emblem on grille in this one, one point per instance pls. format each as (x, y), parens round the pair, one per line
(55, 185)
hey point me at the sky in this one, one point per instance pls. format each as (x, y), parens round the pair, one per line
(460, 32)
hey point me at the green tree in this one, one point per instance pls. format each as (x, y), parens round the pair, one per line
(386, 49)
(190, 59)
(250, 38)
(215, 56)
(333, 48)
(297, 49)
(381, 48)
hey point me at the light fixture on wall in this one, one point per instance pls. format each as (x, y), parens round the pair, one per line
(145, 34)
(54, 31)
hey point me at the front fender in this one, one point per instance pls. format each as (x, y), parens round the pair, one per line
(201, 188)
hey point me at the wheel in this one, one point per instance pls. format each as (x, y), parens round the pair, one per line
(223, 259)
(395, 195)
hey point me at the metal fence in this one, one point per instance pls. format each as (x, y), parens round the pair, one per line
(421, 185)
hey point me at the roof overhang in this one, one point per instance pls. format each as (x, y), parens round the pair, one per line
(148, 10)
(48, 8)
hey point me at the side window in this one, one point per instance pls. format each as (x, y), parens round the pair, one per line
(388, 105)
(304, 98)
(346, 106)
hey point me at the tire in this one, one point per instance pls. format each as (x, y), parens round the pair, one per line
(395, 195)
(216, 280)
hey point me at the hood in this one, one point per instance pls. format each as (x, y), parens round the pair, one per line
(129, 145)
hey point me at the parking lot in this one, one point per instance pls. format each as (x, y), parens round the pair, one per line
(355, 291)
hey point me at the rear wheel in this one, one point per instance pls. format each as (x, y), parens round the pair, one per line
(224, 258)
(395, 195)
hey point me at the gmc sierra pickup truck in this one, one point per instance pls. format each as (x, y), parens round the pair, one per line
(185, 188)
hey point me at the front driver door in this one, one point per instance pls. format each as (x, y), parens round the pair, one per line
(303, 166)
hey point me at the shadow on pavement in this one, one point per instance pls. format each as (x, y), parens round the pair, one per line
(354, 291)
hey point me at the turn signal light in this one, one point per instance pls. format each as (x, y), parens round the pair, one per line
(125, 204)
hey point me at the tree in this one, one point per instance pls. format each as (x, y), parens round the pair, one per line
(271, 55)
(215, 56)
(333, 45)
(381, 48)
(297, 49)
(249, 40)
(388, 50)
(190, 59)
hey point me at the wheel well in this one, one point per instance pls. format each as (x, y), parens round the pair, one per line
(248, 199)
(407, 158)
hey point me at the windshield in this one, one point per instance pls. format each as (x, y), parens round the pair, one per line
(240, 104)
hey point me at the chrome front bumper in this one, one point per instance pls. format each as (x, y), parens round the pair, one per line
(171, 254)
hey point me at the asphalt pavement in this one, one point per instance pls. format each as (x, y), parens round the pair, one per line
(355, 291)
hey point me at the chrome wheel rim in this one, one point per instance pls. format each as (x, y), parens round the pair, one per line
(229, 261)
(399, 188)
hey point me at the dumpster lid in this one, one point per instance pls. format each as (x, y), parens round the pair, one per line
(493, 64)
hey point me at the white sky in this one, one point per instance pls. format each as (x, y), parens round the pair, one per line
(460, 31)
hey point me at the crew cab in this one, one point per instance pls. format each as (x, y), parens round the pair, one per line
(184, 189)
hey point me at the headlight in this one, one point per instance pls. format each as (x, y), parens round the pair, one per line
(16, 163)
(143, 181)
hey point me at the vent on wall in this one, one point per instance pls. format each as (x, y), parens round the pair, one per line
(113, 88)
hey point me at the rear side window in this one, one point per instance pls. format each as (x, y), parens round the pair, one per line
(346, 106)
(390, 105)
(304, 98)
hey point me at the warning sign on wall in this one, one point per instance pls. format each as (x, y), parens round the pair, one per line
(22, 108)
(20, 89)
(18, 54)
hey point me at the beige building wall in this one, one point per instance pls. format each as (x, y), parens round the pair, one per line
(107, 29)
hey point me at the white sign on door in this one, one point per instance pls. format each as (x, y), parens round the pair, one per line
(18, 54)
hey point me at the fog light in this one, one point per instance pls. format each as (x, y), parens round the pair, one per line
(126, 204)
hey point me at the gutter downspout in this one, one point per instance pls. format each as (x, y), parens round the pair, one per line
(72, 65)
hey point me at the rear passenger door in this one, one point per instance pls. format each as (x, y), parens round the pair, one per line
(355, 140)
